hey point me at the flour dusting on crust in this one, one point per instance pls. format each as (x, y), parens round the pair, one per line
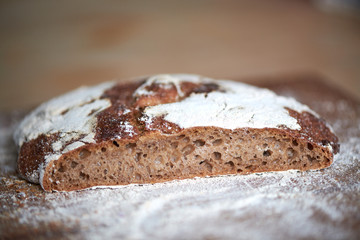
(238, 106)
(72, 116)
(68, 114)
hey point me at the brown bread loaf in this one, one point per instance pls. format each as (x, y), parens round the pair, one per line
(168, 127)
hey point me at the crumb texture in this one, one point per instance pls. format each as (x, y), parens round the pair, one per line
(192, 153)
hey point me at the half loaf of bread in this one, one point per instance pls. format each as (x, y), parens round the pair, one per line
(168, 127)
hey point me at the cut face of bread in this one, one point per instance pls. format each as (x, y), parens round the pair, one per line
(168, 127)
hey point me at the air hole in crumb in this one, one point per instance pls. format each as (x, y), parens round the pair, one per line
(105, 171)
(267, 153)
(103, 149)
(239, 170)
(74, 164)
(174, 145)
(169, 164)
(138, 156)
(131, 145)
(180, 137)
(264, 163)
(115, 143)
(290, 152)
(62, 168)
(250, 167)
(187, 139)
(238, 159)
(295, 143)
(310, 146)
(310, 158)
(188, 149)
(216, 155)
(199, 143)
(84, 153)
(206, 165)
(217, 142)
(84, 176)
(145, 155)
(230, 164)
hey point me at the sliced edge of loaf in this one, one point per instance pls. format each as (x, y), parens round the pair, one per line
(193, 152)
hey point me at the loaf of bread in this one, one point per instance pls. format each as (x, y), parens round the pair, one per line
(168, 127)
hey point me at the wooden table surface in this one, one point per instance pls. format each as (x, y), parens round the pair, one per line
(48, 48)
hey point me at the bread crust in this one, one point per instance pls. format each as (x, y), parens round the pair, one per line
(129, 145)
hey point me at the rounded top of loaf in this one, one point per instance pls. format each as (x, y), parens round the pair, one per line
(231, 105)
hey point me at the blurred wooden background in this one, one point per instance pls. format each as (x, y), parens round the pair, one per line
(50, 47)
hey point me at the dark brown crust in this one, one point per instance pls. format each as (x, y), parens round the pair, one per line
(314, 130)
(111, 120)
(32, 154)
(128, 108)
(170, 94)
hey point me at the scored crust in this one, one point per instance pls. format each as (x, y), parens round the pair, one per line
(168, 127)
